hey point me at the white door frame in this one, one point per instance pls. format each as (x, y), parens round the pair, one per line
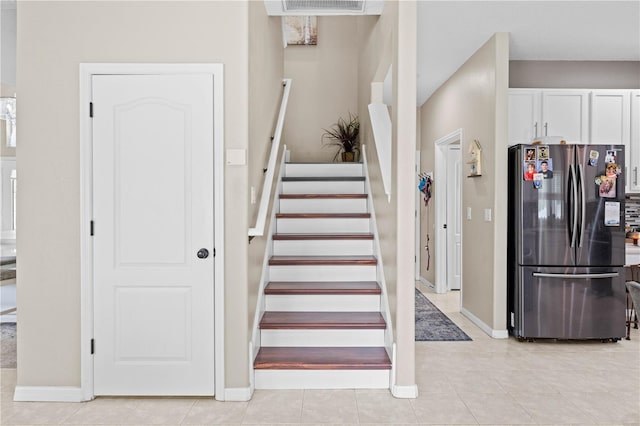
(87, 70)
(441, 208)
(418, 203)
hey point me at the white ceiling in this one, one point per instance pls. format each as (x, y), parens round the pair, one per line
(449, 32)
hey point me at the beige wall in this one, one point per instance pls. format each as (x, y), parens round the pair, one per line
(53, 39)
(266, 70)
(575, 74)
(325, 86)
(475, 100)
(390, 40)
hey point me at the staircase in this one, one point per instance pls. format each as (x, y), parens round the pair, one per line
(322, 326)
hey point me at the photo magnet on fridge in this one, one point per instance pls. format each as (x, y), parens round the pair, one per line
(545, 168)
(607, 187)
(593, 158)
(613, 170)
(611, 156)
(529, 170)
(530, 154)
(543, 152)
(537, 180)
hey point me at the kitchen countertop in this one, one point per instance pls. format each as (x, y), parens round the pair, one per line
(632, 254)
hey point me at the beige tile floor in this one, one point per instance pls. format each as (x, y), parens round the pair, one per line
(486, 381)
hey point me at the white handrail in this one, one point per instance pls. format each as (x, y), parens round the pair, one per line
(258, 230)
(382, 136)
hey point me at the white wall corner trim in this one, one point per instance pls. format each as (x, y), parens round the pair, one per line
(48, 394)
(405, 392)
(238, 394)
(496, 334)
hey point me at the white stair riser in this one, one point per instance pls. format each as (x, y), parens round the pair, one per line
(322, 273)
(323, 187)
(321, 338)
(322, 379)
(322, 302)
(322, 247)
(323, 226)
(323, 205)
(322, 169)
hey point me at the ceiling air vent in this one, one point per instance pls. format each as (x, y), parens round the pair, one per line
(351, 6)
(323, 7)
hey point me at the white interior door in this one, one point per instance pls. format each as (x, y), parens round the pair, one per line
(454, 221)
(153, 213)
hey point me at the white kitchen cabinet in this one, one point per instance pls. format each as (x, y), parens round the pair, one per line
(535, 113)
(610, 123)
(524, 115)
(566, 113)
(633, 154)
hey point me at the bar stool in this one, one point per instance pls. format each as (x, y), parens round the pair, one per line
(633, 298)
(633, 292)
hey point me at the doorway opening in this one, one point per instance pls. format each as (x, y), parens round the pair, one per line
(448, 220)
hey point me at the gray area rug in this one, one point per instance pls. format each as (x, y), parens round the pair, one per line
(8, 345)
(434, 326)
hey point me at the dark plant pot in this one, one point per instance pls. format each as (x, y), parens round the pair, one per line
(348, 157)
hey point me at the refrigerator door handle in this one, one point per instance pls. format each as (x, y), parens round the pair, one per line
(583, 204)
(574, 200)
(577, 276)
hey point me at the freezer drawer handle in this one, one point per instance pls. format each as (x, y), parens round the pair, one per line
(577, 276)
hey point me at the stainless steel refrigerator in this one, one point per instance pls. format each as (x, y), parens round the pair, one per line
(566, 248)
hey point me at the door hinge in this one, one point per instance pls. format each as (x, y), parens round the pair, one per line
(214, 252)
(93, 346)
(91, 109)
(91, 228)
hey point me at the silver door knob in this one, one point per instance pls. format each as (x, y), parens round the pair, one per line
(203, 253)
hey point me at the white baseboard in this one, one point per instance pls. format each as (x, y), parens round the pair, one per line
(405, 392)
(238, 394)
(426, 282)
(496, 334)
(48, 394)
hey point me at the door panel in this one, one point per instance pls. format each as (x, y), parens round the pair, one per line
(544, 231)
(454, 221)
(566, 114)
(153, 211)
(572, 308)
(599, 245)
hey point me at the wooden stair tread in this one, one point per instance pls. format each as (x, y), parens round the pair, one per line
(323, 215)
(323, 179)
(359, 236)
(323, 260)
(323, 287)
(311, 196)
(322, 358)
(290, 320)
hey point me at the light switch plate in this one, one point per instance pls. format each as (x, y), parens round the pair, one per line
(487, 215)
(468, 213)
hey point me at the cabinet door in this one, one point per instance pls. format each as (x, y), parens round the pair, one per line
(634, 145)
(610, 118)
(566, 113)
(524, 116)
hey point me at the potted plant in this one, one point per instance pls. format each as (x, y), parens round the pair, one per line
(345, 135)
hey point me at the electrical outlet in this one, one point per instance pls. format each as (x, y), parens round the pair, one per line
(487, 215)
(253, 195)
